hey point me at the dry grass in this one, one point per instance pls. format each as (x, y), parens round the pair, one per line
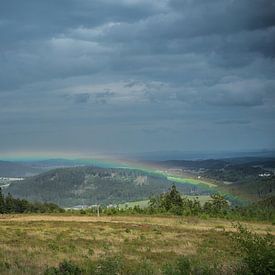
(30, 243)
(192, 223)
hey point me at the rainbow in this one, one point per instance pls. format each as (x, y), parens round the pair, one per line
(104, 161)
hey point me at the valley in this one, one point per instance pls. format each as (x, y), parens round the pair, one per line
(71, 183)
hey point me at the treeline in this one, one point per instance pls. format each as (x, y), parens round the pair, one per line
(9, 204)
(234, 173)
(173, 203)
(218, 206)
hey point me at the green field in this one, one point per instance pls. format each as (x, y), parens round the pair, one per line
(144, 203)
(141, 204)
(191, 181)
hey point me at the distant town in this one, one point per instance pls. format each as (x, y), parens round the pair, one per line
(6, 181)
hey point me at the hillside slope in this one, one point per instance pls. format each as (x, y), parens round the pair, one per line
(89, 185)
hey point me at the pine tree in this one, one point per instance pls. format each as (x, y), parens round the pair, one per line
(173, 199)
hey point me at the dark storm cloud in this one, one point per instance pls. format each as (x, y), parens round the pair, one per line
(130, 69)
(227, 15)
(36, 19)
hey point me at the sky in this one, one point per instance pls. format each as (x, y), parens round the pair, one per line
(125, 76)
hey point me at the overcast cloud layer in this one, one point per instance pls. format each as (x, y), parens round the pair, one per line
(137, 75)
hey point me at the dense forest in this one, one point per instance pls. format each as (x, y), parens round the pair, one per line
(9, 204)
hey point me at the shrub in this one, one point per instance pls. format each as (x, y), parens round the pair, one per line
(184, 265)
(64, 268)
(258, 251)
(181, 267)
(109, 265)
(144, 268)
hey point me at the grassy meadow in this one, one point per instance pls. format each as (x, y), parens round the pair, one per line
(31, 243)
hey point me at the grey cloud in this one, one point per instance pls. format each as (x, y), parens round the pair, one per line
(103, 97)
(246, 93)
(233, 121)
(131, 84)
(36, 19)
(228, 16)
(97, 97)
(111, 68)
(104, 94)
(235, 100)
(160, 130)
(81, 98)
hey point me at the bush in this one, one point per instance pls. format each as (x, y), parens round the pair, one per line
(184, 265)
(181, 267)
(64, 268)
(144, 268)
(109, 265)
(258, 251)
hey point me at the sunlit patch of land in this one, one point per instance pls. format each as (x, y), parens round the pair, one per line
(191, 181)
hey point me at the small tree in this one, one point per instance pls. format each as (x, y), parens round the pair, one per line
(2, 202)
(169, 201)
(174, 197)
(217, 205)
(9, 204)
(173, 201)
(220, 204)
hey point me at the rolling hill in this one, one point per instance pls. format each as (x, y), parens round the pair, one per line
(90, 185)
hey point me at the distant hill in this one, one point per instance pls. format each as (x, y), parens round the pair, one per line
(16, 169)
(249, 177)
(195, 164)
(199, 155)
(75, 183)
(89, 185)
(262, 162)
(25, 168)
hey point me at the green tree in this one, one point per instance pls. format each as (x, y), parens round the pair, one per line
(2, 202)
(169, 201)
(218, 205)
(9, 204)
(173, 198)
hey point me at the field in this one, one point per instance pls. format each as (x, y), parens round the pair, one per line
(31, 243)
(191, 181)
(201, 198)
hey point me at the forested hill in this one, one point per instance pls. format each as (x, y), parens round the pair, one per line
(89, 185)
(252, 178)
